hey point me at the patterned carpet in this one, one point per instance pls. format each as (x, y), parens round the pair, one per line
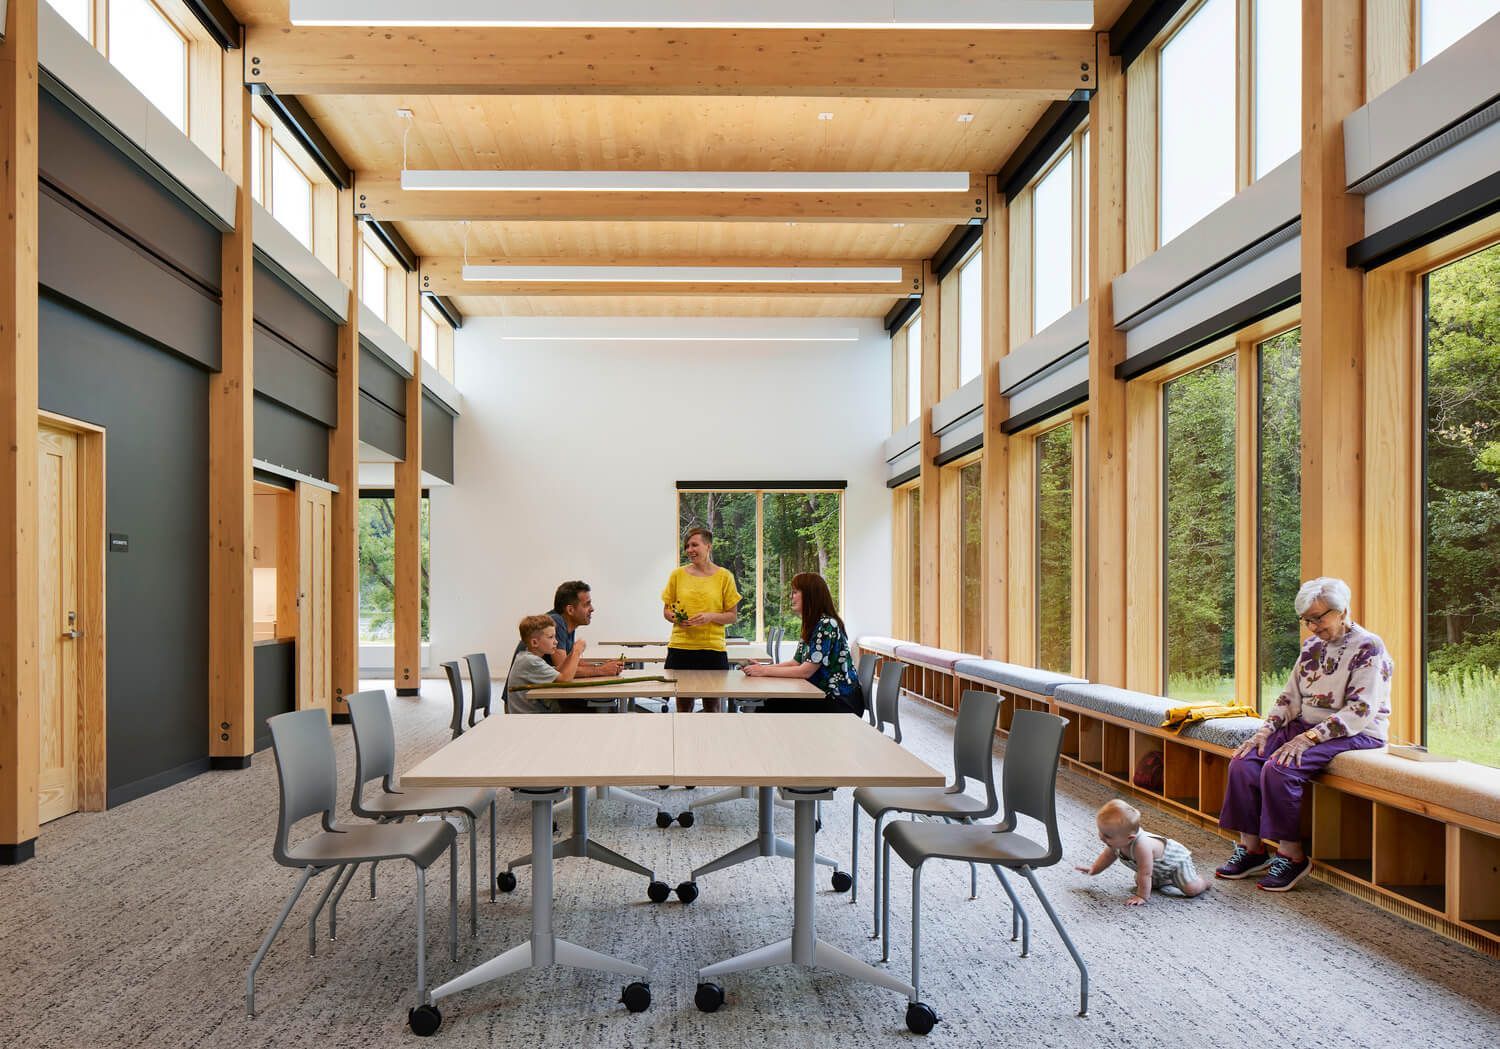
(134, 928)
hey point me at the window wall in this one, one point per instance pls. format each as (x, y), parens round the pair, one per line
(970, 556)
(970, 317)
(1278, 546)
(291, 196)
(1460, 432)
(377, 566)
(914, 562)
(1441, 23)
(914, 368)
(1054, 548)
(146, 44)
(374, 281)
(765, 538)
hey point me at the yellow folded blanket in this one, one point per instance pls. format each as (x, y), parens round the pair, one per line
(1179, 718)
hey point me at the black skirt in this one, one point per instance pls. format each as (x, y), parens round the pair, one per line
(696, 659)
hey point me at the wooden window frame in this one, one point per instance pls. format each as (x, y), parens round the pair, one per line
(900, 363)
(905, 618)
(950, 552)
(1025, 522)
(1023, 233)
(324, 196)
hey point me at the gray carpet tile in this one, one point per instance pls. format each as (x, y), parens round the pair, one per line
(134, 927)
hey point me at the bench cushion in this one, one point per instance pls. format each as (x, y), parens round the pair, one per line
(1223, 732)
(1152, 710)
(885, 646)
(1042, 682)
(940, 658)
(1458, 785)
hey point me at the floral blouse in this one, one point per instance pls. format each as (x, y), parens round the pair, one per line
(836, 676)
(1339, 689)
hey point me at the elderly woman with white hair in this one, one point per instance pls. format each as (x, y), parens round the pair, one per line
(1338, 699)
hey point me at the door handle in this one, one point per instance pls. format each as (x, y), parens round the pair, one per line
(72, 635)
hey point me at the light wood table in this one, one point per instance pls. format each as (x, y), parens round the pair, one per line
(658, 653)
(806, 756)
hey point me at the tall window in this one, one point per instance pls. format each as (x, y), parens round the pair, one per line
(291, 196)
(1197, 118)
(152, 54)
(377, 566)
(1052, 244)
(1083, 217)
(1054, 522)
(1279, 524)
(914, 368)
(914, 561)
(1461, 511)
(373, 281)
(765, 538)
(1441, 23)
(970, 318)
(1278, 82)
(429, 340)
(971, 543)
(1199, 436)
(258, 135)
(78, 13)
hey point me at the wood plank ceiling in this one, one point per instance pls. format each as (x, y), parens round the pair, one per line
(717, 129)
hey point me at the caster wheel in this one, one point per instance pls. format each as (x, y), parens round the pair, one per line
(658, 891)
(817, 826)
(920, 1019)
(689, 787)
(424, 1020)
(685, 819)
(505, 881)
(554, 826)
(842, 882)
(709, 997)
(663, 820)
(661, 786)
(687, 891)
(636, 996)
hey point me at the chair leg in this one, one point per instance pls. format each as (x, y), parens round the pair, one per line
(885, 903)
(1017, 912)
(265, 944)
(875, 874)
(312, 923)
(453, 900)
(333, 904)
(916, 933)
(474, 875)
(854, 852)
(421, 936)
(1083, 970)
(372, 878)
(493, 803)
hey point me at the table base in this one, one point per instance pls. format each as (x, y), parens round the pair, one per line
(766, 842)
(578, 844)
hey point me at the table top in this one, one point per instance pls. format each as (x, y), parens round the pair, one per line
(623, 690)
(733, 684)
(552, 750)
(783, 750)
(658, 653)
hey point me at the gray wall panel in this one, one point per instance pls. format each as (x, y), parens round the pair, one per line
(381, 427)
(437, 440)
(275, 685)
(296, 320)
(381, 381)
(285, 438)
(294, 380)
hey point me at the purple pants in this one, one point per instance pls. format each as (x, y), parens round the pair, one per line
(1265, 798)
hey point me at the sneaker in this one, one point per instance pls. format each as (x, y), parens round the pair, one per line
(1284, 874)
(1243, 863)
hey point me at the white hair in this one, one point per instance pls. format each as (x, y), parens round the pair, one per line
(1334, 592)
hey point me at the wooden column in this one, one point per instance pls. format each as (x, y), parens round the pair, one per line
(408, 539)
(343, 471)
(995, 471)
(932, 536)
(1332, 300)
(231, 629)
(20, 739)
(1109, 507)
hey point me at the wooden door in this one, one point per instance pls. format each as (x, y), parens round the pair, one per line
(314, 585)
(61, 621)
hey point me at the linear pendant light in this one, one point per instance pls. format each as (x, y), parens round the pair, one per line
(678, 329)
(701, 14)
(685, 274)
(689, 181)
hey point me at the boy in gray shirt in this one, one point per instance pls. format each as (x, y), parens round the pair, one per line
(539, 635)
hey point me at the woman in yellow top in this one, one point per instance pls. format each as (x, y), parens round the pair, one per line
(699, 601)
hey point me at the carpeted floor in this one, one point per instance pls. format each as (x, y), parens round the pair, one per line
(134, 928)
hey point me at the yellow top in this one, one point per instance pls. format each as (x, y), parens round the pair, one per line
(693, 594)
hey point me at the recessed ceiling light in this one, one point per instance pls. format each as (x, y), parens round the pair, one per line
(825, 116)
(966, 118)
(404, 113)
(898, 225)
(688, 181)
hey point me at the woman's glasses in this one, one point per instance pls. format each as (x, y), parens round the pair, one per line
(1311, 622)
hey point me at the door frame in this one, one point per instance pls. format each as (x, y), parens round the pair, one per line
(92, 547)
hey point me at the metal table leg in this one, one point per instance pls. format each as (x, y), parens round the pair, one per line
(579, 845)
(803, 947)
(545, 948)
(765, 843)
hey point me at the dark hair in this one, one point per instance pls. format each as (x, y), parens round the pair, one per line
(817, 602)
(703, 533)
(568, 594)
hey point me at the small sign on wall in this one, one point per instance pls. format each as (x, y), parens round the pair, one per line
(119, 543)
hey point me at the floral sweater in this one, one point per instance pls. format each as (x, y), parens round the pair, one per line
(1340, 689)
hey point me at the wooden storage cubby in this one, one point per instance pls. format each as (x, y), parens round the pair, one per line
(1007, 713)
(1180, 777)
(1478, 890)
(1091, 742)
(1343, 831)
(1411, 856)
(1116, 751)
(1070, 735)
(1213, 780)
(1141, 744)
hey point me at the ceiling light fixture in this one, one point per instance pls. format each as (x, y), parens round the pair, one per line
(702, 14)
(680, 329)
(687, 181)
(684, 274)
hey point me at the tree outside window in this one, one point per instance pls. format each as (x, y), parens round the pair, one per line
(377, 567)
(1054, 523)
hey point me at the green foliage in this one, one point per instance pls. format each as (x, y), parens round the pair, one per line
(970, 498)
(1280, 526)
(377, 569)
(1054, 616)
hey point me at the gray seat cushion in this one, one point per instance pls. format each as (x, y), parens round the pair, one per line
(917, 842)
(1042, 682)
(1223, 732)
(885, 646)
(416, 801)
(927, 801)
(1152, 710)
(422, 843)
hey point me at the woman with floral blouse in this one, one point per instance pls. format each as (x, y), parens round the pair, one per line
(1338, 699)
(822, 657)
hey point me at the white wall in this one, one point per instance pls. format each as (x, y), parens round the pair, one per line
(568, 453)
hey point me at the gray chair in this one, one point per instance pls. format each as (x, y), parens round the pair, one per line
(973, 759)
(887, 703)
(773, 643)
(375, 758)
(1029, 783)
(456, 685)
(307, 775)
(479, 685)
(866, 673)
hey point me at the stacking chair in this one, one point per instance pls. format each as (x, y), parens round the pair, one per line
(867, 661)
(308, 778)
(456, 684)
(887, 704)
(972, 759)
(1029, 782)
(375, 758)
(773, 643)
(479, 685)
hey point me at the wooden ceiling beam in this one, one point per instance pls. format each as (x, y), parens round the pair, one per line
(380, 196)
(841, 63)
(444, 276)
